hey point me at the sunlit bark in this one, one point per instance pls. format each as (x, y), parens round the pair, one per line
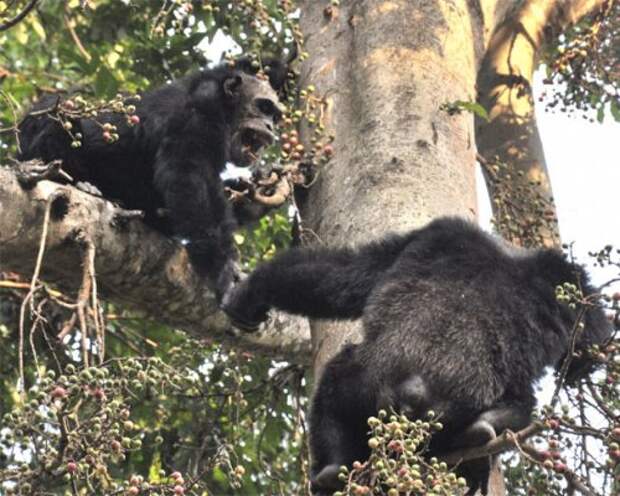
(505, 91)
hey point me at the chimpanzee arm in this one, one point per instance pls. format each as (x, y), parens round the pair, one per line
(317, 282)
(196, 207)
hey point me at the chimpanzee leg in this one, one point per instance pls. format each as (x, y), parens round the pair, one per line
(512, 415)
(342, 403)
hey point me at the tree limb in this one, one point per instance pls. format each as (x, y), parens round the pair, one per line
(505, 91)
(135, 266)
(511, 440)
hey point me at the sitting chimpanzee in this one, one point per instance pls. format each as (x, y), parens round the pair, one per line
(169, 165)
(454, 321)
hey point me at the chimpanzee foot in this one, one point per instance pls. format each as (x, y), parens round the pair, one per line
(477, 434)
(30, 172)
(86, 187)
(478, 471)
(326, 482)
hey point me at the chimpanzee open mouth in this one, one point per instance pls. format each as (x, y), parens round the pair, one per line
(253, 141)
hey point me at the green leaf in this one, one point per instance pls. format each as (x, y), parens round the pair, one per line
(219, 475)
(37, 28)
(600, 114)
(594, 98)
(476, 108)
(21, 33)
(155, 467)
(614, 107)
(106, 85)
(85, 66)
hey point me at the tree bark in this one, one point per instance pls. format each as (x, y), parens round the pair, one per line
(511, 134)
(135, 266)
(384, 69)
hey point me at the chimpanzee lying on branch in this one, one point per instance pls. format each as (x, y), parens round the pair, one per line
(169, 164)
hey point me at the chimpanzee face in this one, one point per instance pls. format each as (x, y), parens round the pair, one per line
(257, 112)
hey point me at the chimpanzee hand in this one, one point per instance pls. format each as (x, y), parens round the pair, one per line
(245, 311)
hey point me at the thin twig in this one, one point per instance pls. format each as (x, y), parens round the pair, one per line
(95, 308)
(66, 328)
(39, 318)
(576, 331)
(501, 443)
(33, 286)
(19, 17)
(573, 480)
(14, 128)
(86, 288)
(74, 36)
(52, 348)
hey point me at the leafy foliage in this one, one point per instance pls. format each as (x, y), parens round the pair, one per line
(528, 220)
(583, 66)
(397, 464)
(228, 422)
(458, 106)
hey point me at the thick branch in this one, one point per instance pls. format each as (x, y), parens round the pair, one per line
(505, 90)
(135, 266)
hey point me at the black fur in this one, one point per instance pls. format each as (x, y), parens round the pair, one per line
(277, 70)
(453, 320)
(169, 165)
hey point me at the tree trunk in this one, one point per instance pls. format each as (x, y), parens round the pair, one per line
(385, 68)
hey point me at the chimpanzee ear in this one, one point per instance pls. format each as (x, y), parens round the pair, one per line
(232, 85)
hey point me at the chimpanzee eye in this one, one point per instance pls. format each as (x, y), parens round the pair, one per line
(267, 107)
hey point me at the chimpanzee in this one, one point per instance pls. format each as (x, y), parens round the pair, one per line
(454, 321)
(169, 165)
